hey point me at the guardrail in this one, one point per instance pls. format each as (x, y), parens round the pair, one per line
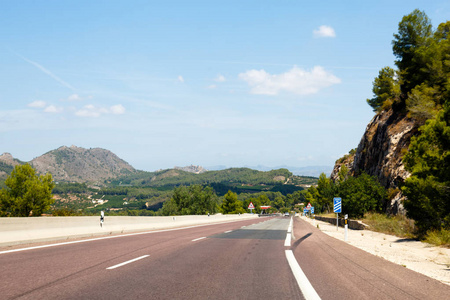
(15, 231)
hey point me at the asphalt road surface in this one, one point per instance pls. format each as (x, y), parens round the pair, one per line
(222, 261)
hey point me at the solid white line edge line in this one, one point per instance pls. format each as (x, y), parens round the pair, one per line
(199, 239)
(287, 242)
(303, 283)
(127, 262)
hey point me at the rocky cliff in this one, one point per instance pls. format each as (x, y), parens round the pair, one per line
(381, 150)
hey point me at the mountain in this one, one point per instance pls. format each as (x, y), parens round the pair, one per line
(76, 164)
(73, 164)
(380, 152)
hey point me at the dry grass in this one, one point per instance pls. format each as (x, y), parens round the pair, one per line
(394, 225)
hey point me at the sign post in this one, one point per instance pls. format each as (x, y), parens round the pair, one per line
(251, 207)
(337, 206)
(346, 228)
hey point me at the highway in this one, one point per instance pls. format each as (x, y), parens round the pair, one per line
(236, 260)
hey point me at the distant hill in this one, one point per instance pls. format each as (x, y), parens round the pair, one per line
(235, 179)
(313, 171)
(73, 164)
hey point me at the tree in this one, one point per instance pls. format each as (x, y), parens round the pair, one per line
(361, 194)
(231, 204)
(26, 193)
(428, 188)
(325, 190)
(385, 87)
(192, 200)
(414, 32)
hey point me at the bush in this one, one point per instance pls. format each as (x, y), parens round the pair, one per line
(438, 237)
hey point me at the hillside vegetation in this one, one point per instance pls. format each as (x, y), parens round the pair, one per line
(406, 146)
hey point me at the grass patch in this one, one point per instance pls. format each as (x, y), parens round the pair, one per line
(399, 226)
(438, 237)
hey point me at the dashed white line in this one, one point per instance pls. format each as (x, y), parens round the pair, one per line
(228, 231)
(127, 262)
(199, 239)
(305, 286)
(107, 237)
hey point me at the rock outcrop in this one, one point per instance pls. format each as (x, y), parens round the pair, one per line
(192, 169)
(380, 152)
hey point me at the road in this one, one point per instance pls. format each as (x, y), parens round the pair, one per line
(238, 260)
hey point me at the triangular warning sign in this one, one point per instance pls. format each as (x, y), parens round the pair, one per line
(251, 206)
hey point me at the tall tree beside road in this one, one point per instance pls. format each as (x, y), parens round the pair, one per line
(413, 35)
(26, 193)
(231, 204)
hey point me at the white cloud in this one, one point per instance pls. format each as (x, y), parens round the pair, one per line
(296, 81)
(117, 109)
(181, 79)
(324, 31)
(53, 109)
(92, 111)
(37, 104)
(211, 87)
(74, 97)
(220, 78)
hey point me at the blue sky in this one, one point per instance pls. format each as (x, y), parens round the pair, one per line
(174, 83)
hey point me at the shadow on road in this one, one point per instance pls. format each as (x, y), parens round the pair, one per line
(297, 242)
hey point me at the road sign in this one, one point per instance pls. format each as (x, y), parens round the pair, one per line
(312, 209)
(251, 206)
(305, 211)
(308, 207)
(337, 205)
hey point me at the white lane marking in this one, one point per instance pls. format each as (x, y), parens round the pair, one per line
(228, 231)
(109, 237)
(287, 242)
(303, 283)
(127, 262)
(199, 239)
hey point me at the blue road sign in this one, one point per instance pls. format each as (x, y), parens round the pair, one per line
(312, 209)
(337, 205)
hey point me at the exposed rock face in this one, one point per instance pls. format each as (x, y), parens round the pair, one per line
(192, 169)
(381, 150)
(76, 164)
